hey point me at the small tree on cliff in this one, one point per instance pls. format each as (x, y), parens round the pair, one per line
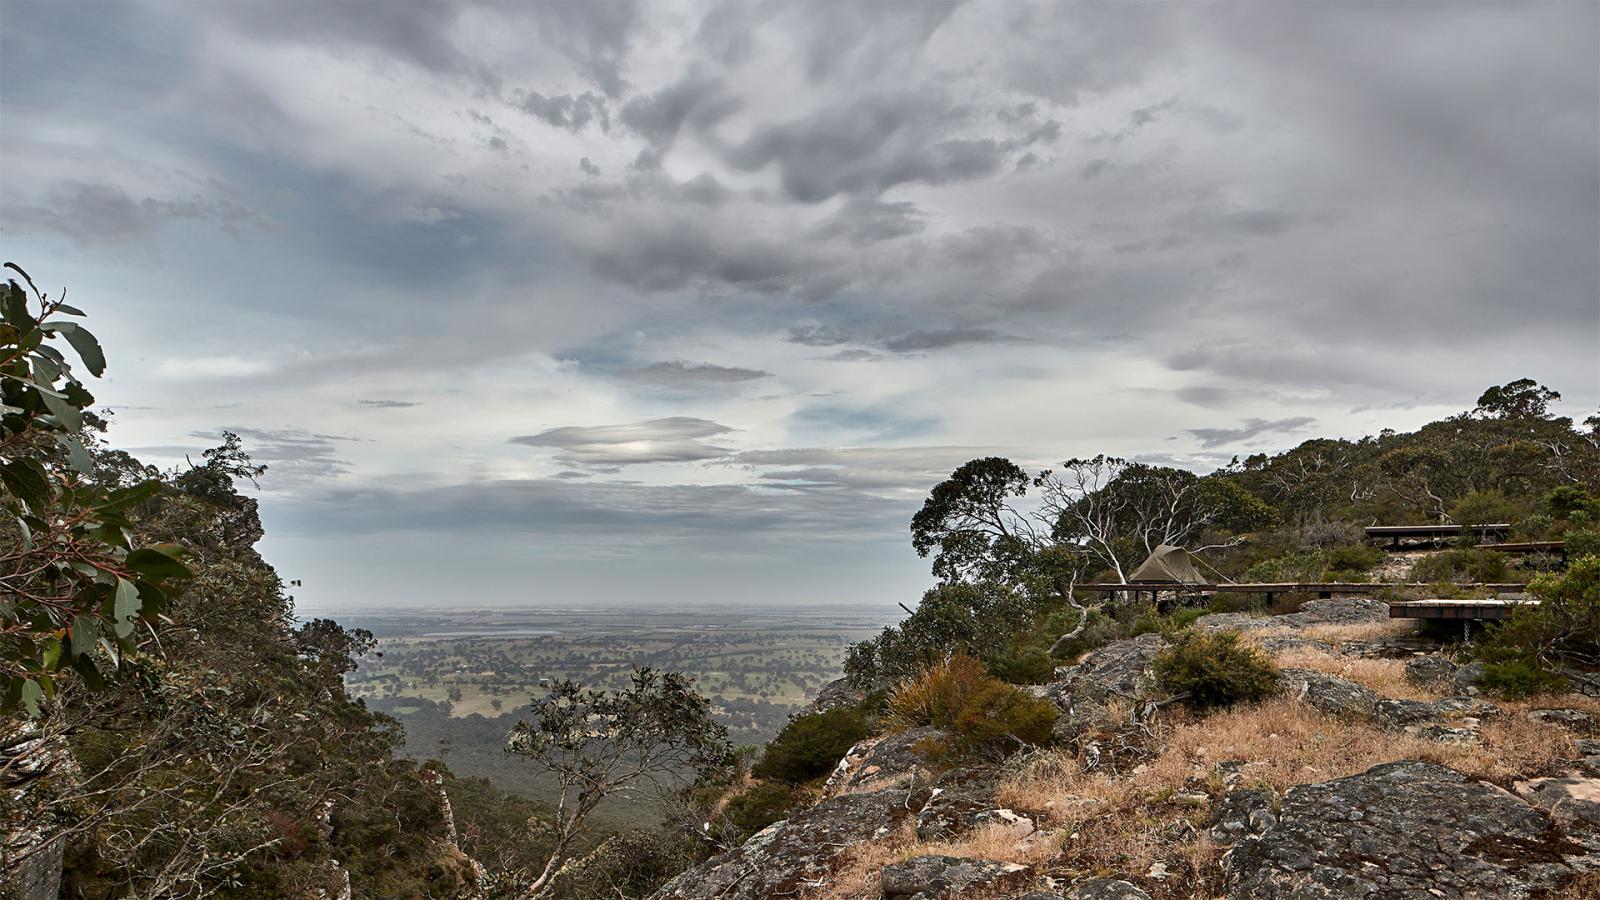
(647, 740)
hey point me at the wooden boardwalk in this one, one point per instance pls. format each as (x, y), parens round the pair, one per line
(1434, 534)
(1322, 589)
(1456, 609)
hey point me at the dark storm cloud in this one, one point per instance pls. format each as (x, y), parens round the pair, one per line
(867, 145)
(90, 213)
(1249, 428)
(870, 221)
(675, 439)
(676, 254)
(697, 100)
(588, 168)
(572, 112)
(595, 36)
(817, 336)
(679, 375)
(917, 341)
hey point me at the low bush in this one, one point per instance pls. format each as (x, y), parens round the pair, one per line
(753, 809)
(1519, 678)
(983, 715)
(1350, 562)
(1562, 630)
(810, 745)
(1460, 565)
(1215, 670)
(1582, 542)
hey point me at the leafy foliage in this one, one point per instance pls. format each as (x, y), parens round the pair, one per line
(77, 585)
(810, 745)
(753, 809)
(1214, 669)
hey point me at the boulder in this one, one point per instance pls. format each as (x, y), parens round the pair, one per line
(1431, 672)
(931, 877)
(1120, 667)
(1106, 889)
(1573, 719)
(1466, 679)
(794, 854)
(958, 797)
(835, 694)
(879, 763)
(1331, 694)
(1589, 750)
(1243, 814)
(1406, 829)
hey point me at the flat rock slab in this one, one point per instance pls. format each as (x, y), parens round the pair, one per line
(1568, 800)
(1575, 719)
(934, 877)
(786, 857)
(1407, 829)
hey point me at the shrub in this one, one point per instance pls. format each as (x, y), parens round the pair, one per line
(1566, 500)
(753, 809)
(1460, 565)
(1019, 663)
(1518, 678)
(1216, 670)
(1484, 508)
(983, 715)
(810, 745)
(1348, 563)
(1563, 629)
(1582, 542)
(1289, 567)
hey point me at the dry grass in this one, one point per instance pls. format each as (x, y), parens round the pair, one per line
(1283, 743)
(1386, 676)
(1365, 631)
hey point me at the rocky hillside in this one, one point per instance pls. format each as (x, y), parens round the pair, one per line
(1376, 770)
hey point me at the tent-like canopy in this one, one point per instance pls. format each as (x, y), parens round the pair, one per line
(1167, 565)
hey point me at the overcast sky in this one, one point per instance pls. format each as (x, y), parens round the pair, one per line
(595, 303)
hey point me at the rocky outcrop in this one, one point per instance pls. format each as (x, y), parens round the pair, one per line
(1401, 830)
(1572, 719)
(1120, 667)
(835, 694)
(1432, 672)
(878, 763)
(1242, 814)
(1331, 694)
(934, 877)
(1453, 720)
(1106, 889)
(795, 854)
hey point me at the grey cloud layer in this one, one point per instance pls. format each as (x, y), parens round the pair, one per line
(675, 439)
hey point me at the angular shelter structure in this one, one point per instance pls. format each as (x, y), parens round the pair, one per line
(1167, 565)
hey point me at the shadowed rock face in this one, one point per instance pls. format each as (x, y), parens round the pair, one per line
(794, 854)
(888, 761)
(1401, 830)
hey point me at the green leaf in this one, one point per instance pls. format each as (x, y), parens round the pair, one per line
(31, 695)
(127, 606)
(94, 359)
(68, 415)
(85, 667)
(85, 631)
(77, 455)
(26, 479)
(70, 310)
(157, 562)
(14, 305)
(27, 534)
(122, 498)
(52, 653)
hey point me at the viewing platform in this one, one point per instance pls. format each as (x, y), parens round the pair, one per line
(1323, 590)
(1434, 534)
(1480, 610)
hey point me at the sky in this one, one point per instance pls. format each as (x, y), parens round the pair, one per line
(660, 303)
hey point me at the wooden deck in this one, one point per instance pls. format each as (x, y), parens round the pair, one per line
(1456, 609)
(1557, 547)
(1433, 534)
(1320, 588)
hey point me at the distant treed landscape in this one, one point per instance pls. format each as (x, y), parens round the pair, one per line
(457, 678)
